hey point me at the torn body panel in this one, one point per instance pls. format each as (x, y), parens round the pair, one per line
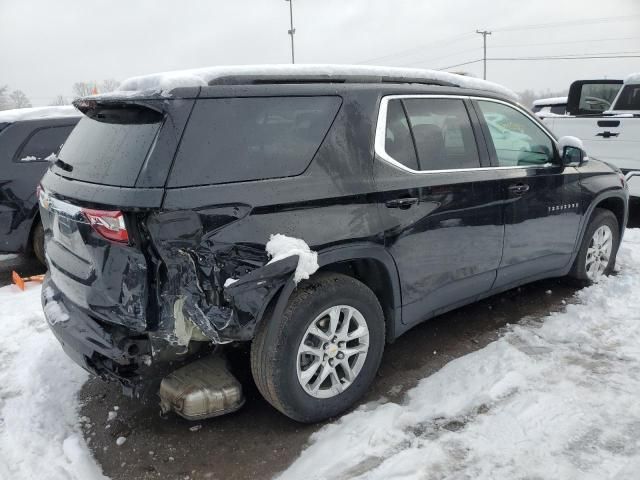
(193, 302)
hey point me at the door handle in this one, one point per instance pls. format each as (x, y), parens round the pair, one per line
(401, 203)
(607, 134)
(518, 188)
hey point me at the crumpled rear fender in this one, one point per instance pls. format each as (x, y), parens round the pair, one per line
(192, 269)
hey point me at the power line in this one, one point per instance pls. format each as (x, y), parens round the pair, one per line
(430, 59)
(563, 55)
(457, 38)
(586, 57)
(584, 21)
(559, 57)
(459, 52)
(518, 45)
(460, 64)
(417, 49)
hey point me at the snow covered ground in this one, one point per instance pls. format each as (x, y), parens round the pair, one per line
(554, 398)
(40, 436)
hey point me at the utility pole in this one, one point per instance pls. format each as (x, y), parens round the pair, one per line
(292, 31)
(484, 34)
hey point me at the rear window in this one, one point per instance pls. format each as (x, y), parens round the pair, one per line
(109, 146)
(43, 144)
(241, 139)
(597, 97)
(629, 98)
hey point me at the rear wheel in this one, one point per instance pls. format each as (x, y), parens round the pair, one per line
(321, 355)
(597, 254)
(37, 242)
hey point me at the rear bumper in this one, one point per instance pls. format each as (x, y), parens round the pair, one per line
(104, 350)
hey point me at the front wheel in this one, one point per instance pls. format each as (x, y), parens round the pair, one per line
(597, 254)
(321, 355)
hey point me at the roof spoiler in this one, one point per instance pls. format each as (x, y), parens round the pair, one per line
(91, 104)
(121, 110)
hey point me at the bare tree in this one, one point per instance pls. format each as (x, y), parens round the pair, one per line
(19, 99)
(109, 85)
(5, 103)
(82, 89)
(59, 100)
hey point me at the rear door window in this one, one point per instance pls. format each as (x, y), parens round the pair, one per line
(242, 139)
(109, 145)
(443, 134)
(398, 141)
(43, 144)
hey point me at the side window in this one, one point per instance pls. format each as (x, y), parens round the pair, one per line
(243, 139)
(398, 143)
(516, 138)
(442, 132)
(43, 143)
(629, 98)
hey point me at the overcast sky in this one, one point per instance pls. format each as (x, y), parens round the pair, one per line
(47, 45)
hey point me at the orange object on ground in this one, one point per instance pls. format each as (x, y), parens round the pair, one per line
(19, 281)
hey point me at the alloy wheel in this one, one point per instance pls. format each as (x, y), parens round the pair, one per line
(333, 351)
(599, 252)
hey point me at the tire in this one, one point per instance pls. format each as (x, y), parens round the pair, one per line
(37, 242)
(582, 270)
(276, 362)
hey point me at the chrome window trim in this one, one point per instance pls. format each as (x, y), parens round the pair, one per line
(381, 127)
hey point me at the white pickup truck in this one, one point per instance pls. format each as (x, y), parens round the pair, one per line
(605, 115)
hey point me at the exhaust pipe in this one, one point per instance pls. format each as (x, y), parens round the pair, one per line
(202, 389)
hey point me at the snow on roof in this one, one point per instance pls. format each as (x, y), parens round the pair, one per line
(38, 113)
(550, 101)
(634, 79)
(167, 81)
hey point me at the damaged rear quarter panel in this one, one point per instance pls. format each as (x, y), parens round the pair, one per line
(206, 235)
(194, 304)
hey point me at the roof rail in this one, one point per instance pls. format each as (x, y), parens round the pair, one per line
(165, 82)
(315, 78)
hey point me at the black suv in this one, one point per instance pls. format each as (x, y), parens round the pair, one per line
(29, 139)
(399, 195)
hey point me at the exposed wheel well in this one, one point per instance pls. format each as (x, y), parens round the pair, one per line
(616, 206)
(374, 275)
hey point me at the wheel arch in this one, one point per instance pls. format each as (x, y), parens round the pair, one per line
(617, 206)
(370, 264)
(616, 202)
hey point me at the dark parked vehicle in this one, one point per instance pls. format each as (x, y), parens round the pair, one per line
(162, 211)
(29, 139)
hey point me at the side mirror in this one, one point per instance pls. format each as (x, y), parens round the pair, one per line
(572, 156)
(572, 151)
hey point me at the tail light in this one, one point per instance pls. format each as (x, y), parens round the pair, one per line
(108, 223)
